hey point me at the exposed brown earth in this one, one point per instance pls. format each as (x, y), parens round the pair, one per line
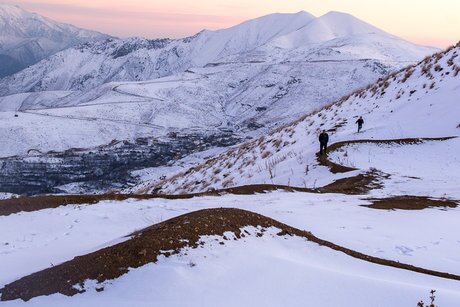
(172, 235)
(35, 203)
(333, 167)
(357, 185)
(411, 203)
(360, 184)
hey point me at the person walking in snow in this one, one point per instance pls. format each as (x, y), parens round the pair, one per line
(360, 123)
(323, 139)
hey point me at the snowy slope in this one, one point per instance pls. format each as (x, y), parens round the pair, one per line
(137, 59)
(26, 38)
(204, 275)
(419, 101)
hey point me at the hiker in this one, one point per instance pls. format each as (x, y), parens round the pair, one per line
(323, 139)
(360, 123)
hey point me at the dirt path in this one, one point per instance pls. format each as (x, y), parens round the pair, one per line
(172, 235)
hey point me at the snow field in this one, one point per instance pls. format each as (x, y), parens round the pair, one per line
(56, 235)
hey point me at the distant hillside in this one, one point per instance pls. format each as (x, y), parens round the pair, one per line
(27, 38)
(418, 101)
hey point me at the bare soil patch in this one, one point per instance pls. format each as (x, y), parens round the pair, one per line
(411, 203)
(360, 184)
(357, 185)
(165, 238)
(35, 203)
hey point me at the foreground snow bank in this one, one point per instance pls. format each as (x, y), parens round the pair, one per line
(261, 271)
(34, 241)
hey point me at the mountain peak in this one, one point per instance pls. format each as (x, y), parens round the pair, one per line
(27, 38)
(329, 26)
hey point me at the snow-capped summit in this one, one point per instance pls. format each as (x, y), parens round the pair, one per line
(328, 27)
(26, 38)
(247, 35)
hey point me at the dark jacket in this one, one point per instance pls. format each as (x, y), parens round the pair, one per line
(360, 121)
(324, 138)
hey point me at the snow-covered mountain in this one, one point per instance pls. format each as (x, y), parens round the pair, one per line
(241, 79)
(276, 37)
(26, 38)
(419, 101)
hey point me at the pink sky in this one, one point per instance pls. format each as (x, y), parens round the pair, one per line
(423, 21)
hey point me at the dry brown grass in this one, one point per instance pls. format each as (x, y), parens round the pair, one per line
(408, 73)
(438, 68)
(266, 154)
(457, 71)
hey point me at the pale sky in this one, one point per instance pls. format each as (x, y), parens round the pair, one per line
(429, 22)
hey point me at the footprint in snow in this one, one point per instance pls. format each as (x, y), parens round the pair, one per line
(404, 250)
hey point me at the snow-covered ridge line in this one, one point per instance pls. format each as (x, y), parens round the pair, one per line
(287, 155)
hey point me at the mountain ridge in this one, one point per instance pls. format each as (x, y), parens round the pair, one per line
(90, 65)
(26, 38)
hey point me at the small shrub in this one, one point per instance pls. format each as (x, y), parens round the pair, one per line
(427, 59)
(277, 143)
(265, 154)
(426, 69)
(227, 183)
(438, 68)
(457, 71)
(438, 56)
(217, 171)
(408, 74)
(432, 299)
